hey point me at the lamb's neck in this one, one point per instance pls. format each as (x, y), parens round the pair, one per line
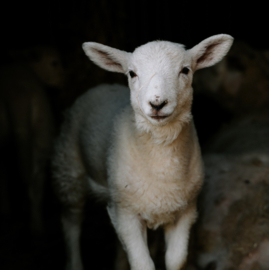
(164, 134)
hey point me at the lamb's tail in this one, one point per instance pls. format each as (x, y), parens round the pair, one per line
(99, 191)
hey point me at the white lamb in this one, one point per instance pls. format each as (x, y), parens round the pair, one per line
(142, 156)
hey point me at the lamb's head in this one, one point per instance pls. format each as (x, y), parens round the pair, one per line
(160, 75)
(45, 62)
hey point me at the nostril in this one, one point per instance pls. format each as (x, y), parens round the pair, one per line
(159, 106)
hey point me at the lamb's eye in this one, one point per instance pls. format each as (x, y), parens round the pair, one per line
(132, 74)
(185, 70)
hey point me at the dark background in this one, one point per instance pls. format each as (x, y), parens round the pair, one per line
(124, 25)
(130, 23)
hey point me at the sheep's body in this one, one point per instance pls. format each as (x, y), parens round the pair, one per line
(85, 125)
(233, 226)
(168, 166)
(152, 186)
(142, 156)
(149, 177)
(232, 231)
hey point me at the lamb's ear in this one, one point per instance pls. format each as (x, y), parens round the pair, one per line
(210, 51)
(106, 57)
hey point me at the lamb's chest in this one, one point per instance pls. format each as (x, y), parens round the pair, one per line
(148, 178)
(153, 189)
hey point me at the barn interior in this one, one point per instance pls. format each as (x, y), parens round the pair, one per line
(28, 29)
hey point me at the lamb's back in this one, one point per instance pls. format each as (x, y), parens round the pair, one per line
(81, 148)
(102, 105)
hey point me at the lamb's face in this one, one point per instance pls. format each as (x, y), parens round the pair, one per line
(48, 67)
(160, 74)
(160, 78)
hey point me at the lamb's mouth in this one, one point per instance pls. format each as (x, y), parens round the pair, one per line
(159, 117)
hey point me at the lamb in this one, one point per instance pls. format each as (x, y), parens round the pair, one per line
(27, 124)
(232, 229)
(138, 152)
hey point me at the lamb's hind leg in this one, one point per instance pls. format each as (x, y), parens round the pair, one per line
(72, 193)
(71, 189)
(71, 221)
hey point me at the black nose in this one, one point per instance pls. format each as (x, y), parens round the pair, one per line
(158, 107)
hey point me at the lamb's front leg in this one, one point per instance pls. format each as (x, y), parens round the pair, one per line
(132, 233)
(176, 237)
